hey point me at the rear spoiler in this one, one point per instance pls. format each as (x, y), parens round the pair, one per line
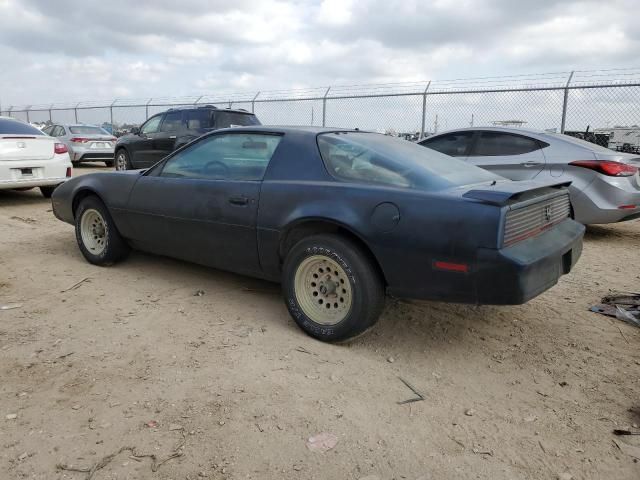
(501, 193)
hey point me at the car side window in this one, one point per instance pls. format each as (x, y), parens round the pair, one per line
(452, 144)
(151, 125)
(56, 132)
(232, 156)
(491, 144)
(47, 130)
(172, 122)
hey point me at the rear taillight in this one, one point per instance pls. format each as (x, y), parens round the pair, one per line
(79, 140)
(60, 148)
(607, 167)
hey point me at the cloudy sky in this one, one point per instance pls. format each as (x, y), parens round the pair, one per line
(76, 50)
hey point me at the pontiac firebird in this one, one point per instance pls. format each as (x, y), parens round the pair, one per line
(339, 217)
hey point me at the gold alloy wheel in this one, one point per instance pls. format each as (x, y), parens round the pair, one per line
(323, 290)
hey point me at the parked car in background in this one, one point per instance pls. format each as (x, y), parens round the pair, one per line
(29, 158)
(165, 132)
(605, 185)
(338, 216)
(86, 143)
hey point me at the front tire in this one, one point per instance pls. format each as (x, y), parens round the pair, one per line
(333, 290)
(47, 191)
(122, 161)
(97, 235)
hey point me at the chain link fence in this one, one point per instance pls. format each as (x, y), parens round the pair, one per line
(578, 101)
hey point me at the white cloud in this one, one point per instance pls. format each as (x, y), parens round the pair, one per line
(67, 50)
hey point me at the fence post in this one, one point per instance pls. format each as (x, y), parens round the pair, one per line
(324, 107)
(27, 108)
(564, 103)
(253, 103)
(111, 112)
(10, 110)
(75, 111)
(50, 117)
(424, 110)
(146, 109)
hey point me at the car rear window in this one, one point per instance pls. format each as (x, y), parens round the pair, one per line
(383, 160)
(500, 144)
(87, 130)
(16, 127)
(234, 119)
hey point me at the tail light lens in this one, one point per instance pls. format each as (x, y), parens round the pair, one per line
(607, 167)
(79, 140)
(60, 148)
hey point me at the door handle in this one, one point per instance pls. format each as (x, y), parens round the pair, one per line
(238, 200)
(531, 164)
(172, 137)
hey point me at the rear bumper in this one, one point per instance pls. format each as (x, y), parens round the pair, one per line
(81, 154)
(518, 273)
(13, 173)
(508, 276)
(600, 201)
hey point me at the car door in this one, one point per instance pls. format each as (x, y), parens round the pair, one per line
(514, 156)
(201, 204)
(142, 149)
(170, 128)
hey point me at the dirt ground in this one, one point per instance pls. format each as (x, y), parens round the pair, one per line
(96, 359)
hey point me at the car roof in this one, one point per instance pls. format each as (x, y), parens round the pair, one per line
(77, 125)
(516, 130)
(309, 130)
(209, 107)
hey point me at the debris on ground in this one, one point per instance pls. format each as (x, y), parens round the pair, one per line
(76, 285)
(625, 432)
(322, 442)
(623, 306)
(198, 293)
(155, 463)
(10, 306)
(11, 416)
(631, 450)
(419, 396)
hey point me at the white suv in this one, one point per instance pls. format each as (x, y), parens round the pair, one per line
(29, 158)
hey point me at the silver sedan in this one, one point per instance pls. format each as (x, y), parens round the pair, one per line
(86, 143)
(605, 185)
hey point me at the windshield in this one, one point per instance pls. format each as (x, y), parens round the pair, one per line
(378, 159)
(14, 127)
(88, 130)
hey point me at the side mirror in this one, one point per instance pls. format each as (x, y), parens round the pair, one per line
(135, 130)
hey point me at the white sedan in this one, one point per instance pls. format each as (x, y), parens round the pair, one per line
(29, 158)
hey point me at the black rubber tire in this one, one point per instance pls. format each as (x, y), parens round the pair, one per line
(47, 191)
(116, 247)
(127, 160)
(366, 284)
(109, 163)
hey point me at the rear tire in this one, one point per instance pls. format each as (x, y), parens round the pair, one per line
(96, 233)
(333, 290)
(47, 191)
(122, 161)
